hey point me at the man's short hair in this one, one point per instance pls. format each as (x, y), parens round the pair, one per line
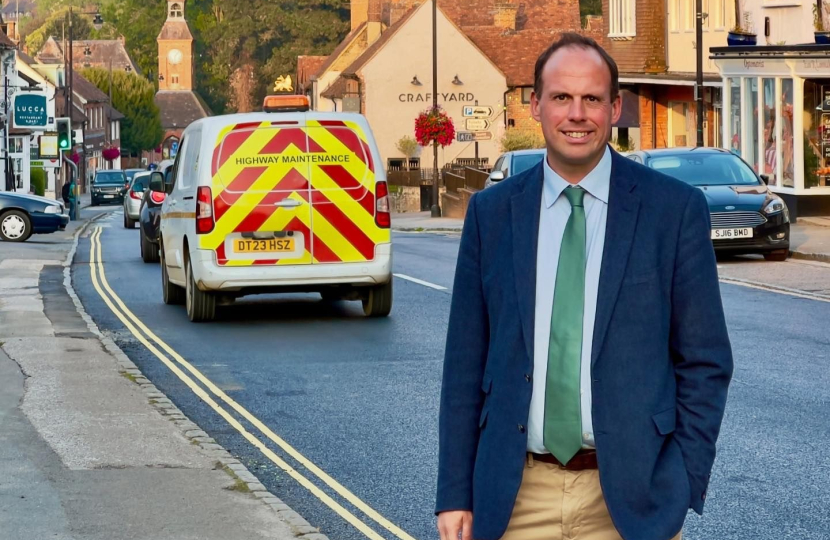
(572, 39)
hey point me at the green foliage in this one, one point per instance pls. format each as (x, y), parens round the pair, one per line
(408, 146)
(589, 7)
(133, 96)
(516, 139)
(140, 22)
(37, 177)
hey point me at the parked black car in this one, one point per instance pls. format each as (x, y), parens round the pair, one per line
(149, 220)
(746, 216)
(23, 215)
(108, 187)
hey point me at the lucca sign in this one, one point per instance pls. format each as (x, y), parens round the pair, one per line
(30, 110)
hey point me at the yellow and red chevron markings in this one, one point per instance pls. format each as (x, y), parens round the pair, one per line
(325, 165)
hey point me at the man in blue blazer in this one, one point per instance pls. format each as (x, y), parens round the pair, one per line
(587, 360)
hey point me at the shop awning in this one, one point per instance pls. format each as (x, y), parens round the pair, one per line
(630, 117)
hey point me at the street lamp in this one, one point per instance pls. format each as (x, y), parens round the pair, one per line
(435, 210)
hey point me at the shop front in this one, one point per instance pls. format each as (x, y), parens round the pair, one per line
(777, 118)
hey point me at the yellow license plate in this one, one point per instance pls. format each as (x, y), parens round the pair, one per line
(272, 245)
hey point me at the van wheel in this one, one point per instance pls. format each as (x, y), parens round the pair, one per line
(777, 255)
(149, 250)
(201, 306)
(378, 300)
(171, 293)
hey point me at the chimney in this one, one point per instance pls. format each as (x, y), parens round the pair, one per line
(359, 12)
(373, 26)
(505, 16)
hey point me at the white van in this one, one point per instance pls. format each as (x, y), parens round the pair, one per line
(279, 201)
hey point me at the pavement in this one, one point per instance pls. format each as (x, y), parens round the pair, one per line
(809, 238)
(89, 448)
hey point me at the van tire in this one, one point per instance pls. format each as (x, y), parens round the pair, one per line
(378, 300)
(172, 294)
(201, 306)
(149, 250)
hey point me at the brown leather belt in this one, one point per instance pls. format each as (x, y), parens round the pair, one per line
(584, 459)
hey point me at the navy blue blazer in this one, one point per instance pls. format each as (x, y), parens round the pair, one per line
(660, 366)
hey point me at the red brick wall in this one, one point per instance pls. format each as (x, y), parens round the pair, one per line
(646, 52)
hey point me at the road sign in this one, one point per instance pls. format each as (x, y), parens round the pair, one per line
(464, 136)
(477, 124)
(477, 111)
(483, 135)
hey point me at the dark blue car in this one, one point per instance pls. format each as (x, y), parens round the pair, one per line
(22, 215)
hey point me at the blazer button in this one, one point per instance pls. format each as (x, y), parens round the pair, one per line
(528, 378)
(521, 428)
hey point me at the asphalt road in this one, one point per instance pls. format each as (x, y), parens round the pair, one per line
(359, 397)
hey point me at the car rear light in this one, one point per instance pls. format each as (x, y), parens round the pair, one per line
(158, 196)
(382, 216)
(204, 210)
(137, 195)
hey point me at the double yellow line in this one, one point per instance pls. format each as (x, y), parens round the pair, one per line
(173, 360)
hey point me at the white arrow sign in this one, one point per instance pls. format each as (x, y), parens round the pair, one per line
(476, 111)
(477, 124)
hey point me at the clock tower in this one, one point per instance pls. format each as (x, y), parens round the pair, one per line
(175, 50)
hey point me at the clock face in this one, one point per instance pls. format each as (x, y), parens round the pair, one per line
(174, 56)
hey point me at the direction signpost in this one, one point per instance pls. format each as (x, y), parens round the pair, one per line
(477, 124)
(477, 121)
(477, 111)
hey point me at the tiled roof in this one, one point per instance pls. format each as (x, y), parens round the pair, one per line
(379, 43)
(100, 54)
(307, 67)
(5, 42)
(51, 52)
(179, 109)
(87, 90)
(175, 30)
(11, 7)
(339, 50)
(115, 114)
(515, 53)
(337, 89)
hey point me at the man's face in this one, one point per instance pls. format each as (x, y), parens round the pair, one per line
(575, 110)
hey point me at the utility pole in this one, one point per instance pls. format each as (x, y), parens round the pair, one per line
(435, 211)
(699, 80)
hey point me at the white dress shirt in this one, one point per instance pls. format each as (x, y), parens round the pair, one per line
(555, 212)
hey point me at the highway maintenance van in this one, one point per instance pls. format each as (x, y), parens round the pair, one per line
(284, 200)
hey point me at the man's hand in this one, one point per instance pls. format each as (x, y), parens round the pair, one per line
(454, 522)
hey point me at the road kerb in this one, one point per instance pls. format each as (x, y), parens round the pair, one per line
(295, 522)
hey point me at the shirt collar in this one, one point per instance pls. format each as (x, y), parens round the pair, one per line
(597, 182)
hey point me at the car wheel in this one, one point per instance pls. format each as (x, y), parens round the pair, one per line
(15, 226)
(149, 250)
(777, 255)
(172, 294)
(378, 300)
(201, 306)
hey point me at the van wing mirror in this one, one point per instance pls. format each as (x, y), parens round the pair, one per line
(168, 181)
(156, 182)
(497, 176)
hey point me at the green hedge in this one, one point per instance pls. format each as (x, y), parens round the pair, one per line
(38, 179)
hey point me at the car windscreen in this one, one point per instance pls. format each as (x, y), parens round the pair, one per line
(706, 169)
(110, 178)
(523, 162)
(131, 173)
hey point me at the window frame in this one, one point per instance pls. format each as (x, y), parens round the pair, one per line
(622, 20)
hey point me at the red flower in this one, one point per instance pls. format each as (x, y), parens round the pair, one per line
(434, 125)
(75, 157)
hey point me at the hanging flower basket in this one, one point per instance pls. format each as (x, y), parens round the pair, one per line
(75, 157)
(434, 125)
(111, 153)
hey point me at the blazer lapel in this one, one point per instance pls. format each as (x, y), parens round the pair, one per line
(526, 205)
(623, 208)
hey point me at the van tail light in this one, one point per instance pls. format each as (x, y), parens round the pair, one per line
(204, 210)
(158, 196)
(382, 216)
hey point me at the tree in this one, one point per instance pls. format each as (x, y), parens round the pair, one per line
(139, 21)
(133, 96)
(589, 7)
(55, 25)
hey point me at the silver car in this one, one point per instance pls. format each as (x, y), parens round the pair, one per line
(133, 197)
(512, 163)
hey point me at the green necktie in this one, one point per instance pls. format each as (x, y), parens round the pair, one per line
(563, 422)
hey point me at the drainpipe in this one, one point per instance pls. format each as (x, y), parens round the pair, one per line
(653, 116)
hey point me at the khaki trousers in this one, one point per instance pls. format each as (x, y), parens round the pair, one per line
(555, 504)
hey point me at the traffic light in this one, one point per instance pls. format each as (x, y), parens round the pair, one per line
(64, 133)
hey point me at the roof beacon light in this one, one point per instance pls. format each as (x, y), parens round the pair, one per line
(286, 103)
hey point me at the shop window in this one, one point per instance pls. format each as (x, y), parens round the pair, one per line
(526, 91)
(816, 133)
(683, 124)
(16, 145)
(787, 133)
(622, 18)
(751, 97)
(770, 142)
(734, 115)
